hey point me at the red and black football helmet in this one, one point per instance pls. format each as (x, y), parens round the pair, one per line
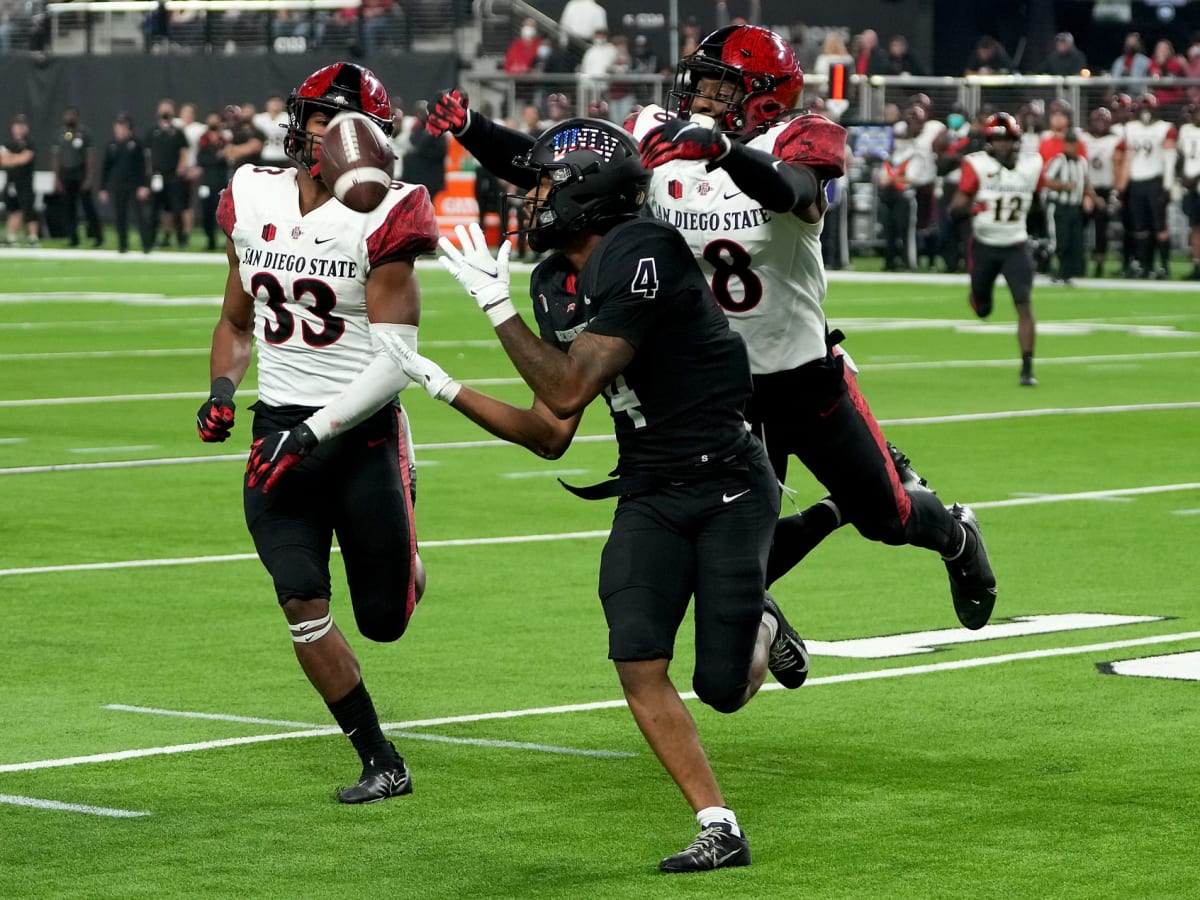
(756, 62)
(1145, 107)
(1100, 120)
(1002, 127)
(334, 88)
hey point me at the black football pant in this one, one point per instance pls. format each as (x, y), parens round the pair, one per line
(123, 200)
(817, 414)
(75, 196)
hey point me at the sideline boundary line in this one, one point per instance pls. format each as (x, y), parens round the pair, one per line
(572, 535)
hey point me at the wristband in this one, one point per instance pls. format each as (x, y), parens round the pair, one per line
(222, 389)
(500, 311)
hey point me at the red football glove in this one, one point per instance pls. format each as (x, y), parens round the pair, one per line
(682, 139)
(214, 421)
(274, 454)
(449, 113)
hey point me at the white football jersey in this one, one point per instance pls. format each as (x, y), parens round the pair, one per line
(1002, 196)
(1144, 145)
(1189, 150)
(765, 268)
(308, 274)
(1100, 153)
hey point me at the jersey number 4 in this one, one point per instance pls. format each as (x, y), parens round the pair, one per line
(623, 398)
(324, 299)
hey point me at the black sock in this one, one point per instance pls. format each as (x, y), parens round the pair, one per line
(796, 536)
(355, 714)
(1164, 253)
(1027, 363)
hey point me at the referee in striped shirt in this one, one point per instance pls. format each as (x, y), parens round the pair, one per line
(1071, 197)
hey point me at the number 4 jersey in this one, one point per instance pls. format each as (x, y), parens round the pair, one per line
(1002, 196)
(764, 267)
(677, 406)
(308, 275)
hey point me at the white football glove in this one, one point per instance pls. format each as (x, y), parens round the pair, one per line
(484, 277)
(425, 372)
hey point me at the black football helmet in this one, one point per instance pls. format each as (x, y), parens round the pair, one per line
(331, 89)
(596, 180)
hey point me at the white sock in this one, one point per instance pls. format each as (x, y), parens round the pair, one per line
(837, 513)
(772, 624)
(711, 815)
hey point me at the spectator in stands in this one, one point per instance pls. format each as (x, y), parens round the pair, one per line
(521, 57)
(17, 158)
(12, 18)
(600, 59)
(425, 162)
(1193, 69)
(381, 21)
(989, 58)
(833, 53)
(1132, 63)
(244, 142)
(1053, 141)
(125, 180)
(272, 124)
(689, 37)
(212, 175)
(1065, 59)
(74, 163)
(1166, 63)
(531, 121)
(168, 148)
(865, 47)
(898, 60)
(579, 22)
(804, 43)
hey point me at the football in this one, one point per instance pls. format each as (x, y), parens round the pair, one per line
(357, 161)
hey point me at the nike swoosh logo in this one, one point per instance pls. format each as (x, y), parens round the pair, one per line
(376, 443)
(726, 857)
(726, 498)
(734, 194)
(325, 241)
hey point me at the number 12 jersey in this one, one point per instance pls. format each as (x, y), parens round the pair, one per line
(1002, 197)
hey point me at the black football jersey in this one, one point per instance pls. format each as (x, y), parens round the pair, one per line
(677, 407)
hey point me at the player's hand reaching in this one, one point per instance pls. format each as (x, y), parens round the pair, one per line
(426, 372)
(274, 454)
(214, 421)
(682, 139)
(448, 113)
(485, 277)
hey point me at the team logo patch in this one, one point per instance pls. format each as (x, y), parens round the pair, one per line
(268, 233)
(296, 232)
(705, 189)
(675, 189)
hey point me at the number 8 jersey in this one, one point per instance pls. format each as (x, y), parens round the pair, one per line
(1002, 196)
(764, 267)
(308, 275)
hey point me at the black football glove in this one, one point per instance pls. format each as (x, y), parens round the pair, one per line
(448, 113)
(682, 139)
(274, 454)
(214, 421)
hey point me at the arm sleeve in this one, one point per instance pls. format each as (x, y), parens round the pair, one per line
(495, 146)
(779, 186)
(968, 183)
(377, 385)
(226, 210)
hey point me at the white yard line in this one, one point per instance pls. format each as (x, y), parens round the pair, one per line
(608, 438)
(71, 807)
(876, 674)
(568, 535)
(419, 736)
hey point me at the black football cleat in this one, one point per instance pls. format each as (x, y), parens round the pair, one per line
(1027, 380)
(972, 583)
(788, 659)
(909, 479)
(378, 783)
(716, 847)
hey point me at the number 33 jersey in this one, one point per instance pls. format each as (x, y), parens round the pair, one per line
(1002, 197)
(764, 267)
(677, 406)
(308, 275)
